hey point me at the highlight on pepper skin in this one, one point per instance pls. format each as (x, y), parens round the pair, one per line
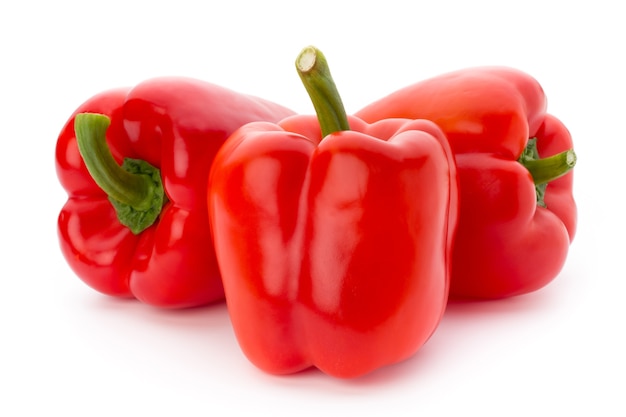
(517, 211)
(134, 162)
(302, 294)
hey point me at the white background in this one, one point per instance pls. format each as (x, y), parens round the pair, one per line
(67, 349)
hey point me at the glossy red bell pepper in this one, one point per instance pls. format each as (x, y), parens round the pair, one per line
(333, 235)
(142, 230)
(517, 211)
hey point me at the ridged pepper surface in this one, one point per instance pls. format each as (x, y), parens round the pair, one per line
(333, 235)
(142, 231)
(517, 211)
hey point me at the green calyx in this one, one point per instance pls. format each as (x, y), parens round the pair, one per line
(135, 189)
(544, 170)
(315, 75)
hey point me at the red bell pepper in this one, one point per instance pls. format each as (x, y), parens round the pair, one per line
(517, 211)
(142, 230)
(332, 235)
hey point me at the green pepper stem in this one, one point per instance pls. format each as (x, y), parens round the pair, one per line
(116, 182)
(315, 75)
(547, 169)
(135, 188)
(544, 170)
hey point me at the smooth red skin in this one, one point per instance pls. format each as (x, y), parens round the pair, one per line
(505, 245)
(334, 253)
(177, 125)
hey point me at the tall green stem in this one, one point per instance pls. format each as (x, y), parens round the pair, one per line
(135, 189)
(315, 75)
